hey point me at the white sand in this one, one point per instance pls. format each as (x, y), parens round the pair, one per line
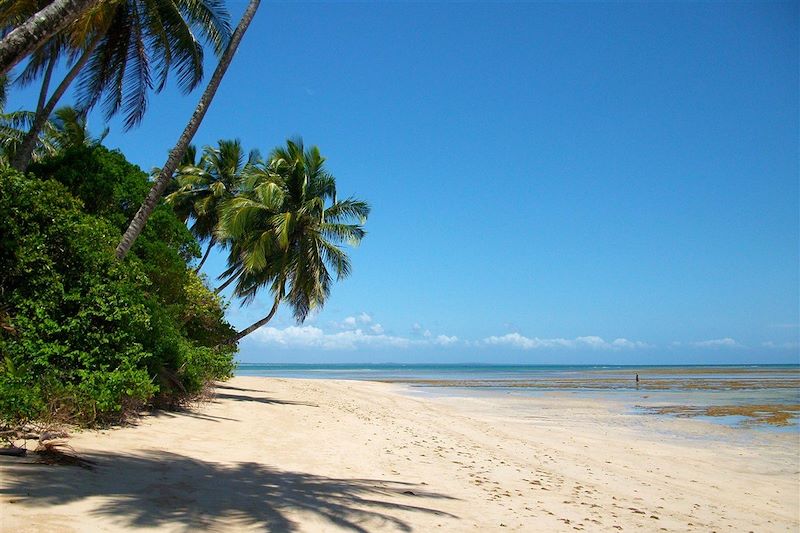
(304, 455)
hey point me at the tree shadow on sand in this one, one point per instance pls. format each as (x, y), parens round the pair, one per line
(218, 395)
(158, 488)
(191, 413)
(220, 385)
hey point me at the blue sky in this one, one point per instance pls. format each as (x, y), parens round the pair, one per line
(550, 183)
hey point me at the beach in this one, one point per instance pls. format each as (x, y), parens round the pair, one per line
(335, 455)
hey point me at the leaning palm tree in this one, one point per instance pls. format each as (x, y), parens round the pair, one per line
(217, 178)
(289, 231)
(122, 50)
(176, 154)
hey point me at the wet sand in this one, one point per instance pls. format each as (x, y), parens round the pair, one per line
(324, 455)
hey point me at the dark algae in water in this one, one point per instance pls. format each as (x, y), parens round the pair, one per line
(772, 414)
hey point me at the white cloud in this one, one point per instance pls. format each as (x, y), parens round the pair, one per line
(349, 339)
(727, 342)
(784, 345)
(313, 337)
(352, 322)
(625, 343)
(361, 331)
(444, 340)
(516, 340)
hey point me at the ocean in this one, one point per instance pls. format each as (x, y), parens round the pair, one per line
(742, 396)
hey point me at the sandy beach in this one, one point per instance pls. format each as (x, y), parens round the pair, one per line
(324, 455)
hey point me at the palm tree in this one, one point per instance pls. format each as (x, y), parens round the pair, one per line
(69, 129)
(288, 231)
(122, 45)
(38, 28)
(178, 151)
(182, 208)
(205, 186)
(143, 41)
(13, 127)
(66, 128)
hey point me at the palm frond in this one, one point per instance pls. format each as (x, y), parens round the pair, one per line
(347, 209)
(349, 233)
(211, 19)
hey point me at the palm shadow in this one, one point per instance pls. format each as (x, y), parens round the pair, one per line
(259, 399)
(192, 413)
(220, 385)
(158, 489)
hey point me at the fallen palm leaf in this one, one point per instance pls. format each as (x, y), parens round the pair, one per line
(57, 452)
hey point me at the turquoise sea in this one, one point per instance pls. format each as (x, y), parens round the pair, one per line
(746, 396)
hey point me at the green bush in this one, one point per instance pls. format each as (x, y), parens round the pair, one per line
(93, 337)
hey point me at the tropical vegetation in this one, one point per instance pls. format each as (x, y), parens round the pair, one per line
(104, 306)
(119, 51)
(204, 186)
(94, 339)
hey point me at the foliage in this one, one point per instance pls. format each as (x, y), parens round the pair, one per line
(69, 128)
(141, 44)
(178, 152)
(204, 186)
(66, 129)
(287, 229)
(133, 46)
(93, 338)
(13, 127)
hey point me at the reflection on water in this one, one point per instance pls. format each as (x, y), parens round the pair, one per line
(762, 396)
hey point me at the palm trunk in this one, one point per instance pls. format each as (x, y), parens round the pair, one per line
(222, 287)
(211, 244)
(25, 151)
(247, 331)
(35, 31)
(48, 73)
(176, 154)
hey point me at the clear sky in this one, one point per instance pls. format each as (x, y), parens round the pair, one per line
(550, 183)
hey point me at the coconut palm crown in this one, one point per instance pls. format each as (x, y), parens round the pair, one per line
(287, 228)
(204, 186)
(120, 50)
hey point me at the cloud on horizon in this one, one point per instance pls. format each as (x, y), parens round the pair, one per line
(727, 342)
(515, 340)
(350, 339)
(792, 345)
(361, 330)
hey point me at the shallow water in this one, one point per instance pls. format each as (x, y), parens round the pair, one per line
(687, 391)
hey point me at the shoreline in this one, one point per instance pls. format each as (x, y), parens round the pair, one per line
(290, 454)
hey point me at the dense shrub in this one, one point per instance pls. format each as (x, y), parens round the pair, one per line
(92, 337)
